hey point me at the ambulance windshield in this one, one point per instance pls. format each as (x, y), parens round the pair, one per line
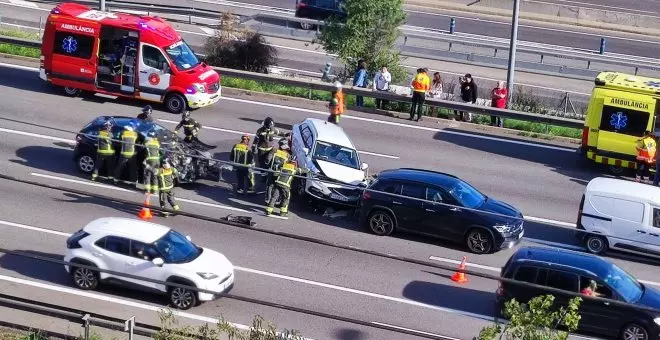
(182, 56)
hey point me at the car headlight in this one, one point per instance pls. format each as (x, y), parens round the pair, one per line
(502, 228)
(199, 88)
(207, 276)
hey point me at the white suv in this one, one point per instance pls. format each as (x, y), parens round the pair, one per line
(327, 154)
(149, 250)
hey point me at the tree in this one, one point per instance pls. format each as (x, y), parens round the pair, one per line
(536, 320)
(369, 32)
(233, 46)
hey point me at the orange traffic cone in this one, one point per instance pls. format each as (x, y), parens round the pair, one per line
(145, 213)
(460, 277)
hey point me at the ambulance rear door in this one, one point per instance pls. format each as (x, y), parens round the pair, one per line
(624, 119)
(74, 54)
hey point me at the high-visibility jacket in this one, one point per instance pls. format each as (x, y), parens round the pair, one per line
(285, 175)
(646, 148)
(337, 103)
(153, 150)
(279, 158)
(128, 139)
(190, 127)
(105, 143)
(166, 178)
(421, 83)
(241, 154)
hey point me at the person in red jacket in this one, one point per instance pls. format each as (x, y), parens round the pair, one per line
(498, 100)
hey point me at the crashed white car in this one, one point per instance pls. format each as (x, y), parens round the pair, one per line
(330, 159)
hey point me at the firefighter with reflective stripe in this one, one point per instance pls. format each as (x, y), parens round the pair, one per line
(127, 155)
(336, 104)
(190, 127)
(166, 180)
(105, 153)
(145, 115)
(282, 188)
(276, 160)
(241, 154)
(262, 144)
(151, 163)
(646, 150)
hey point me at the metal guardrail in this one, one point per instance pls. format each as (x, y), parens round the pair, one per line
(319, 85)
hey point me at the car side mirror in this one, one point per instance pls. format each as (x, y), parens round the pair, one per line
(365, 166)
(158, 262)
(188, 238)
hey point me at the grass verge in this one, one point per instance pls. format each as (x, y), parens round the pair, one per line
(18, 50)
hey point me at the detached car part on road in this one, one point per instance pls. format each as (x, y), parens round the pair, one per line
(181, 156)
(147, 250)
(439, 205)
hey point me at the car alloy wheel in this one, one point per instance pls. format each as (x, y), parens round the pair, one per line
(634, 332)
(85, 278)
(182, 298)
(596, 244)
(86, 164)
(381, 223)
(479, 242)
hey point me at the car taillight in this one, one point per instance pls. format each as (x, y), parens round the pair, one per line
(585, 136)
(73, 242)
(500, 290)
(301, 4)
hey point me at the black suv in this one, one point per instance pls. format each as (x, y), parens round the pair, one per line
(572, 271)
(439, 205)
(319, 10)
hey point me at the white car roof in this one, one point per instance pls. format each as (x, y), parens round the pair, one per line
(126, 227)
(328, 132)
(623, 189)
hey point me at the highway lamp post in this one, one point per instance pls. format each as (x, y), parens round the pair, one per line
(513, 44)
(102, 5)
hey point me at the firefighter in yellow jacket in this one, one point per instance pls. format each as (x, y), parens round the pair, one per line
(242, 155)
(646, 149)
(283, 188)
(166, 180)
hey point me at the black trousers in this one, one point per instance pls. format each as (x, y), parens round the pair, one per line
(381, 104)
(280, 192)
(104, 162)
(270, 186)
(643, 170)
(121, 166)
(417, 104)
(169, 196)
(241, 176)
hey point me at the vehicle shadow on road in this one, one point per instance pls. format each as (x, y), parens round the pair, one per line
(58, 159)
(349, 334)
(460, 298)
(83, 199)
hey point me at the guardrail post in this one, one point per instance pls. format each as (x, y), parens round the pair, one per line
(450, 46)
(452, 25)
(310, 93)
(129, 325)
(636, 70)
(85, 319)
(405, 40)
(190, 19)
(602, 45)
(542, 58)
(588, 64)
(41, 21)
(495, 54)
(102, 5)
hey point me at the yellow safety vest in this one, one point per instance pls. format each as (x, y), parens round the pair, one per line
(286, 175)
(279, 159)
(240, 153)
(153, 150)
(105, 143)
(166, 179)
(128, 139)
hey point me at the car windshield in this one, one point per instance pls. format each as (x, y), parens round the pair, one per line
(465, 194)
(624, 284)
(175, 248)
(336, 154)
(182, 56)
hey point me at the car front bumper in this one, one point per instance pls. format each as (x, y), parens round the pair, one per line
(511, 241)
(199, 100)
(218, 287)
(333, 193)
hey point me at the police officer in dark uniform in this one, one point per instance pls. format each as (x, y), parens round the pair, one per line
(262, 144)
(105, 153)
(283, 188)
(241, 154)
(166, 180)
(145, 115)
(276, 160)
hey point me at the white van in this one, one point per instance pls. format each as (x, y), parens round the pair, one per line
(621, 215)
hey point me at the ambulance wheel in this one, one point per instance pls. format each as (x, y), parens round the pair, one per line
(71, 91)
(616, 170)
(175, 103)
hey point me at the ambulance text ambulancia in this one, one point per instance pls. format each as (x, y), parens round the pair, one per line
(124, 55)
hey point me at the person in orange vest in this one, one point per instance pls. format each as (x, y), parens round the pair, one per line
(421, 84)
(646, 150)
(336, 104)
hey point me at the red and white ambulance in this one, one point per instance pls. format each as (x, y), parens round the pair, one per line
(124, 55)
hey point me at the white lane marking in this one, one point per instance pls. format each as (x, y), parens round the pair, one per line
(36, 135)
(557, 148)
(554, 244)
(105, 298)
(593, 6)
(19, 26)
(243, 133)
(207, 30)
(109, 187)
(415, 331)
(364, 293)
(545, 220)
(27, 227)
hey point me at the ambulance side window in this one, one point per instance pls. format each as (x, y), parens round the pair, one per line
(73, 45)
(153, 57)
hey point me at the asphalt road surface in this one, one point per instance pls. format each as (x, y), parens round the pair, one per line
(543, 181)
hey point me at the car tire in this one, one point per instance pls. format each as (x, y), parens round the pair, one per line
(175, 103)
(633, 331)
(300, 187)
(381, 222)
(71, 91)
(84, 278)
(86, 163)
(596, 244)
(182, 298)
(479, 241)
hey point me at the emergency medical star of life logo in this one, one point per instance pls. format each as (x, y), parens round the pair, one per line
(619, 120)
(69, 44)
